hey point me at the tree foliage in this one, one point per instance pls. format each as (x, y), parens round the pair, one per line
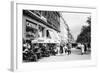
(85, 34)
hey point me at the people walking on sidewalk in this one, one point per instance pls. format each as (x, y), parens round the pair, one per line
(69, 48)
(85, 48)
(65, 49)
(82, 49)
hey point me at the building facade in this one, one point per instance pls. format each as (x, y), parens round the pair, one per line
(65, 35)
(40, 24)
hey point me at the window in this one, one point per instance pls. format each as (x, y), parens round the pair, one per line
(31, 30)
(41, 31)
(47, 34)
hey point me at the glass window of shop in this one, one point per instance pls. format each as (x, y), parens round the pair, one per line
(31, 30)
(41, 31)
(47, 34)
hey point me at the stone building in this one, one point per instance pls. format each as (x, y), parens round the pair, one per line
(65, 35)
(41, 24)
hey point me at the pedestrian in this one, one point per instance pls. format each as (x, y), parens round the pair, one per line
(65, 49)
(69, 48)
(85, 48)
(61, 49)
(57, 49)
(82, 49)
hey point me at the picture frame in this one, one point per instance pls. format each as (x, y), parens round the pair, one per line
(16, 35)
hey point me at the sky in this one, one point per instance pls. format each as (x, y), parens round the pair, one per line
(75, 22)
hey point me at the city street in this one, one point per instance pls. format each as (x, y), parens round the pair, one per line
(76, 55)
(49, 33)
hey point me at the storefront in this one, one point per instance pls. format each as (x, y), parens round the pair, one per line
(43, 38)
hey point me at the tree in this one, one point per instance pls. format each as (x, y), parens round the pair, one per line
(85, 35)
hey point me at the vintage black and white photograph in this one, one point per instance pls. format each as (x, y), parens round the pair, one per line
(55, 36)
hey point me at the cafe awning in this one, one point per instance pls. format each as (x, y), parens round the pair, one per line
(44, 40)
(39, 40)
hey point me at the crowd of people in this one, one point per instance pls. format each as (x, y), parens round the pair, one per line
(36, 51)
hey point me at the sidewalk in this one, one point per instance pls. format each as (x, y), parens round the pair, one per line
(76, 55)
